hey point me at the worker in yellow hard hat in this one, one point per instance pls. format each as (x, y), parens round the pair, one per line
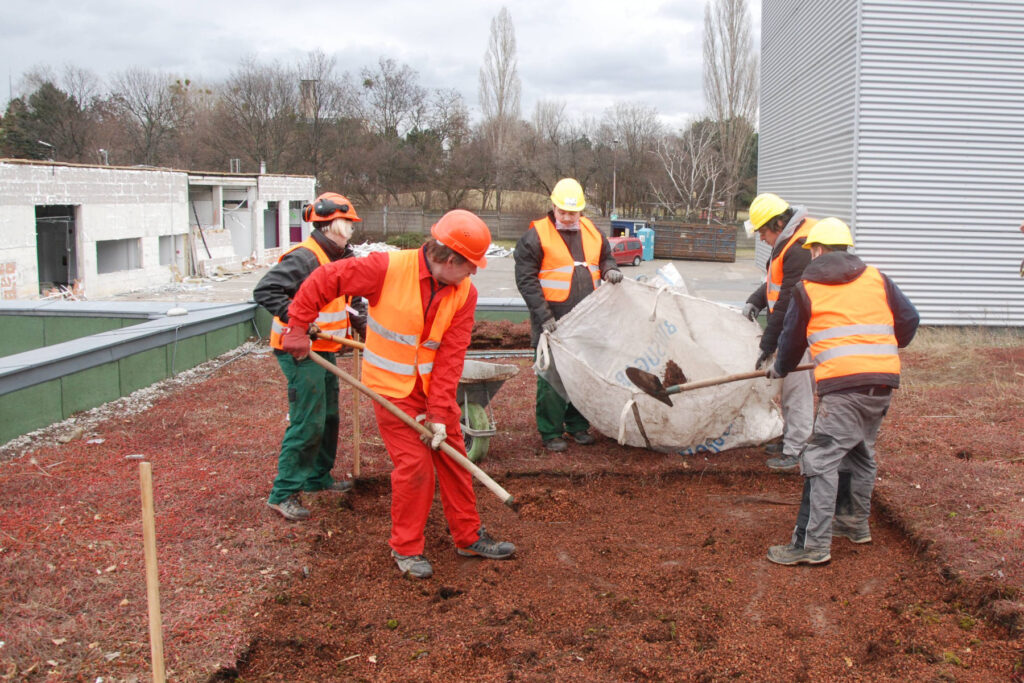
(853, 319)
(783, 228)
(561, 259)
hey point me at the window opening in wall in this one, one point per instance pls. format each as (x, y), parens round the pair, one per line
(56, 249)
(295, 222)
(113, 256)
(270, 231)
(172, 250)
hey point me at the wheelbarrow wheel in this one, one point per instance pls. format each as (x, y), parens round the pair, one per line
(475, 417)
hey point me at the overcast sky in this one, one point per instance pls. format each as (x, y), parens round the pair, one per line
(587, 53)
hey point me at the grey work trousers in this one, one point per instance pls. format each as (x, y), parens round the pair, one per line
(797, 409)
(845, 430)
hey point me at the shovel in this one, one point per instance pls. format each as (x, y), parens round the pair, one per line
(652, 386)
(459, 458)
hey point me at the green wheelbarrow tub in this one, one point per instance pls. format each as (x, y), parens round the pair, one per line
(479, 383)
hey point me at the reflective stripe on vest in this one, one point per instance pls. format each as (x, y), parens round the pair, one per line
(395, 353)
(850, 330)
(557, 264)
(332, 318)
(775, 273)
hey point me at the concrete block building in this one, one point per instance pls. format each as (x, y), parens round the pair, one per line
(100, 230)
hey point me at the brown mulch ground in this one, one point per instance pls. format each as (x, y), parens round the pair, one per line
(631, 564)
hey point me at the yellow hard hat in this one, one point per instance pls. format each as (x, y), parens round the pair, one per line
(765, 207)
(568, 195)
(829, 232)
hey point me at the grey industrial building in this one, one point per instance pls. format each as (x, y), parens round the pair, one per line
(905, 119)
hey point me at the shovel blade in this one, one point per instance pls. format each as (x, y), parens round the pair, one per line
(649, 384)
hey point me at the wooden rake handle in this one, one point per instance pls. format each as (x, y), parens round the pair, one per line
(459, 458)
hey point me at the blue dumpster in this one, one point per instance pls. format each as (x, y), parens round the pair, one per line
(626, 228)
(646, 236)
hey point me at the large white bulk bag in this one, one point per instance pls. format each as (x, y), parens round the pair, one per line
(643, 325)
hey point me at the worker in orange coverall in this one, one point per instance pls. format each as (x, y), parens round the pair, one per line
(419, 322)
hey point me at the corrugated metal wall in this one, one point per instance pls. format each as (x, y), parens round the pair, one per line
(921, 117)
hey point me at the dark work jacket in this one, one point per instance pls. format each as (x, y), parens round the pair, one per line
(793, 265)
(836, 268)
(528, 256)
(277, 287)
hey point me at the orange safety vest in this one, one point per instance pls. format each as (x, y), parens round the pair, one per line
(775, 273)
(332, 318)
(850, 330)
(396, 351)
(557, 266)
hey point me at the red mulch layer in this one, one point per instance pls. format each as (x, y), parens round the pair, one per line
(630, 564)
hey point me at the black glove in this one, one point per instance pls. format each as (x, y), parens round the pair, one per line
(750, 311)
(762, 360)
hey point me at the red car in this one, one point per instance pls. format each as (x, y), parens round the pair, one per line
(626, 250)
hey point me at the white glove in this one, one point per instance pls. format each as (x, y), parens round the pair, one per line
(549, 325)
(772, 373)
(440, 434)
(750, 311)
(612, 277)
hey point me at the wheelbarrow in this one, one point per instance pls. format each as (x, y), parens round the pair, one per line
(479, 383)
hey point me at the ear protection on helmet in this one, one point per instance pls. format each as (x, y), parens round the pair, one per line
(324, 206)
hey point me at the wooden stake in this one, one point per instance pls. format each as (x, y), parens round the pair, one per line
(356, 437)
(156, 632)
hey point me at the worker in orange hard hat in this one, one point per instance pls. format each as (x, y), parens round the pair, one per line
(561, 259)
(421, 306)
(311, 439)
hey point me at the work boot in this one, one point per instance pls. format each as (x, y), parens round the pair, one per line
(486, 546)
(790, 555)
(773, 448)
(783, 462)
(290, 508)
(556, 445)
(413, 565)
(850, 532)
(339, 485)
(584, 438)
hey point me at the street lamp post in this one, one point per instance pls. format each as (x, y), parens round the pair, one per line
(48, 146)
(615, 160)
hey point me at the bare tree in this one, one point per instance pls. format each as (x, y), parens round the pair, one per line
(394, 99)
(730, 87)
(146, 101)
(258, 110)
(631, 132)
(500, 90)
(324, 99)
(690, 163)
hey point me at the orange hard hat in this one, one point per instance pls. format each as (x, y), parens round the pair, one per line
(327, 207)
(464, 232)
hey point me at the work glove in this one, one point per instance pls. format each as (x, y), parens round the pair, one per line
(773, 373)
(750, 311)
(549, 325)
(612, 277)
(313, 330)
(762, 360)
(440, 433)
(296, 340)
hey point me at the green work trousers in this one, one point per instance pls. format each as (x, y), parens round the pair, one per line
(555, 415)
(311, 439)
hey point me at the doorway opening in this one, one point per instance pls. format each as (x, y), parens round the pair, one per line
(56, 248)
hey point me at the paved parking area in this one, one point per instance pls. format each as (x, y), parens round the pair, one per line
(729, 283)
